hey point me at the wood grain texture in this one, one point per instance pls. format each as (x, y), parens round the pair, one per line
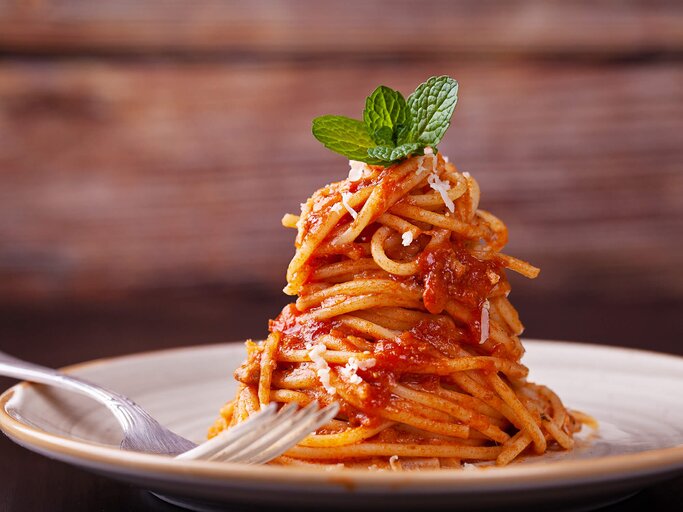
(351, 27)
(129, 176)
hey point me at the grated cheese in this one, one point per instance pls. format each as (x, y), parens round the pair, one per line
(421, 160)
(353, 365)
(407, 238)
(336, 207)
(442, 187)
(357, 170)
(350, 376)
(420, 165)
(366, 364)
(345, 201)
(349, 371)
(394, 463)
(466, 174)
(322, 368)
(469, 467)
(484, 322)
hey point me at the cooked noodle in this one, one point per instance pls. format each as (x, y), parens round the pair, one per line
(402, 317)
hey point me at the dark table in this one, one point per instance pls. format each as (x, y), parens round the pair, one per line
(57, 334)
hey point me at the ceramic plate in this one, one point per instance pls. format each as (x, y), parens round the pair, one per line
(636, 396)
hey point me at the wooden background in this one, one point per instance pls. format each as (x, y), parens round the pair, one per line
(149, 149)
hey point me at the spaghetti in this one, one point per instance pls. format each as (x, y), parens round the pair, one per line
(402, 317)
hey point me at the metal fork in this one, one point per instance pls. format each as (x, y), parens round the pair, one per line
(263, 437)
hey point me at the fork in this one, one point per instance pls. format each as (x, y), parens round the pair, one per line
(261, 438)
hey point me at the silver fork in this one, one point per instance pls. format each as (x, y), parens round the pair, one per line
(263, 437)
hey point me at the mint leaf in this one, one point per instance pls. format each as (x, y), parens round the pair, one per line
(385, 108)
(403, 133)
(384, 136)
(345, 136)
(389, 154)
(431, 107)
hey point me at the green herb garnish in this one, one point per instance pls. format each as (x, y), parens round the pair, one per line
(392, 128)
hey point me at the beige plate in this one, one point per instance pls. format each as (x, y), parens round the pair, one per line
(636, 396)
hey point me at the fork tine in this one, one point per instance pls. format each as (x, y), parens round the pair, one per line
(265, 435)
(277, 429)
(281, 421)
(296, 435)
(275, 434)
(253, 435)
(230, 436)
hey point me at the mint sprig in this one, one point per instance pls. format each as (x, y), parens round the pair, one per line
(392, 128)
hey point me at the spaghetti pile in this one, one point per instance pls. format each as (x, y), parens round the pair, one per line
(402, 317)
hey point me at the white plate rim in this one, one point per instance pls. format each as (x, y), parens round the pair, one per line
(541, 474)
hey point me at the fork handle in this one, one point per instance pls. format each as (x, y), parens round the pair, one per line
(124, 409)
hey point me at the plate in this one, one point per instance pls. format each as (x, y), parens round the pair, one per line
(635, 396)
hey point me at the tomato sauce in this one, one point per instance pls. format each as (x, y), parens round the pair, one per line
(297, 334)
(440, 333)
(450, 271)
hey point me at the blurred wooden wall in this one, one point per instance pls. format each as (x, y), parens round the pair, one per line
(155, 145)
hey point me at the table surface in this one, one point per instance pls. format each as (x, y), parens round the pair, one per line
(64, 333)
